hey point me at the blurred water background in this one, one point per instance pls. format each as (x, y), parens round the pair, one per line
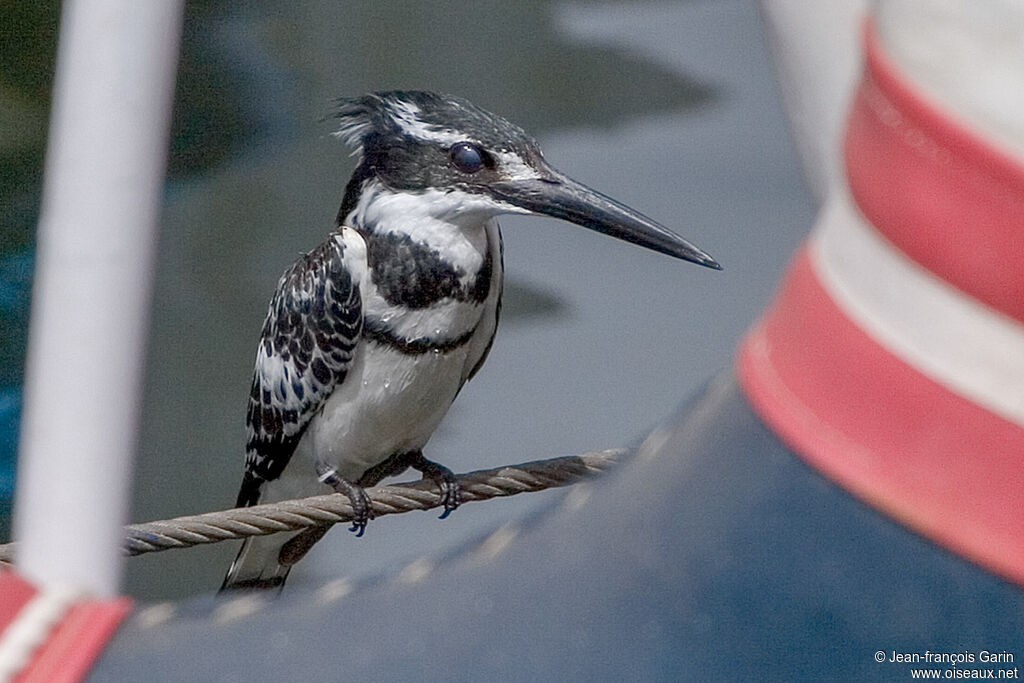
(668, 106)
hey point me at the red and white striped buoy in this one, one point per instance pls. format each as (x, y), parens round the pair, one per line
(892, 358)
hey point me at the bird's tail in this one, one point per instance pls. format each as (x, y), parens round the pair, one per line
(258, 566)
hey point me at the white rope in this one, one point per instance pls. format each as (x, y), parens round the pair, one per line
(291, 515)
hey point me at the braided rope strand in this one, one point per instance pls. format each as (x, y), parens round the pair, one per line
(292, 515)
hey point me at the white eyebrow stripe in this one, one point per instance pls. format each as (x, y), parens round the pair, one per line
(406, 115)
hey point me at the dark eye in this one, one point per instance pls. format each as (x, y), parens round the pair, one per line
(467, 157)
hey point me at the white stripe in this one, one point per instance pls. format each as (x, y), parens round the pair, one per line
(406, 115)
(30, 628)
(970, 348)
(512, 167)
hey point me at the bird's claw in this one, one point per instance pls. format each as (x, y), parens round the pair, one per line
(451, 492)
(361, 511)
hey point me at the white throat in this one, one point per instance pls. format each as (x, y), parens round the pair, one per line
(452, 222)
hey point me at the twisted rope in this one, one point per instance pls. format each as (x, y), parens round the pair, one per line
(292, 515)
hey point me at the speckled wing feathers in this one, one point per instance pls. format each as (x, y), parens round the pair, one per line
(309, 336)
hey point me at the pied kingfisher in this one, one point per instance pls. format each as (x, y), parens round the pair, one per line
(370, 336)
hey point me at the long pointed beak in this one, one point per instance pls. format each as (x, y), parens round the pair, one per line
(562, 197)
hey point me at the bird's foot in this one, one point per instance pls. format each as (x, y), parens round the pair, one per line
(361, 512)
(451, 494)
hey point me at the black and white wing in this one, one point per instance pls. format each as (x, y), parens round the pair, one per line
(309, 337)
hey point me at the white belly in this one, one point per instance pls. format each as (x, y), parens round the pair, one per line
(389, 403)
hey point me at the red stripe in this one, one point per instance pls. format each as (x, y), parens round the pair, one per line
(947, 198)
(884, 431)
(77, 642)
(15, 593)
(74, 644)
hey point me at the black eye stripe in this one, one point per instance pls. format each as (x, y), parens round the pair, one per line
(467, 157)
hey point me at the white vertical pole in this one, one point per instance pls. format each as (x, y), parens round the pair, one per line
(97, 234)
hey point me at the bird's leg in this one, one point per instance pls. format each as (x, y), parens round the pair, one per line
(451, 496)
(297, 546)
(391, 467)
(360, 501)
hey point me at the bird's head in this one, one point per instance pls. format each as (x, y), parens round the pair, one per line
(464, 159)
